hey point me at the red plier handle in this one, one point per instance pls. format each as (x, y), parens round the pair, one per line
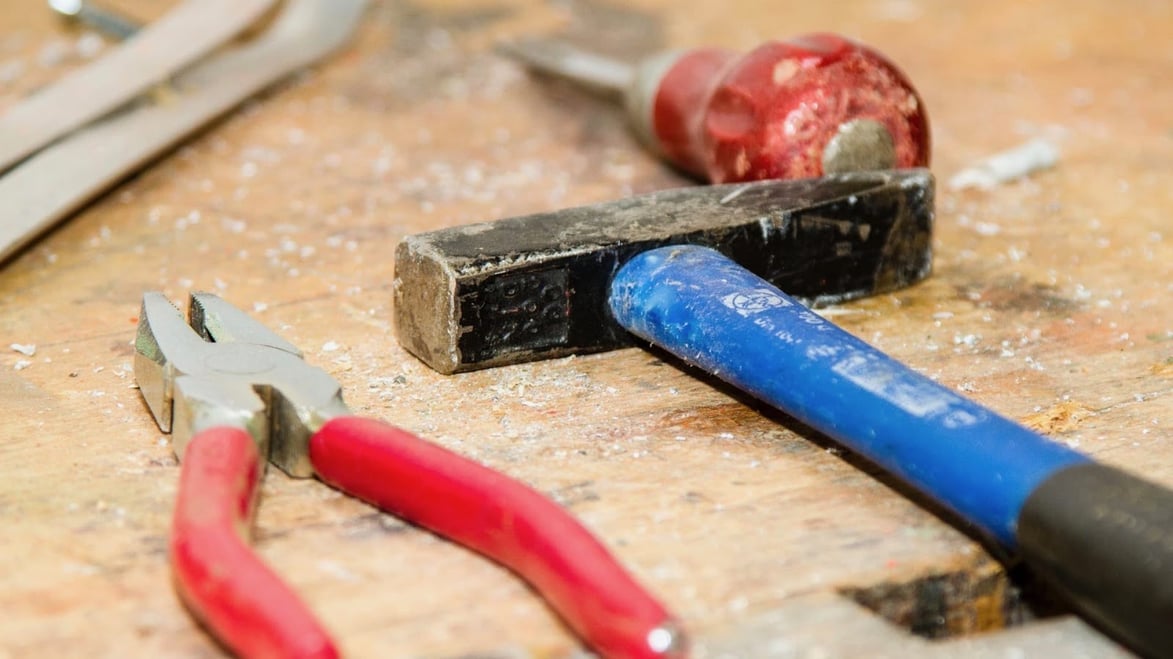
(256, 615)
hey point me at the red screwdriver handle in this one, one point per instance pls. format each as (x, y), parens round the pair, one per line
(502, 519)
(244, 604)
(775, 112)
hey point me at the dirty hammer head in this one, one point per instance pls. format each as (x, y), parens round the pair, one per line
(536, 287)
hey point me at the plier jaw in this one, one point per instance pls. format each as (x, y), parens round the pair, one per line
(226, 369)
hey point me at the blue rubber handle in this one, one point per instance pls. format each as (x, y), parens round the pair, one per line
(711, 312)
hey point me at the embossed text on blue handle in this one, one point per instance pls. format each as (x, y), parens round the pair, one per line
(711, 312)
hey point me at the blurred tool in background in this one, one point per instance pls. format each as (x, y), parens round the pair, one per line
(805, 107)
(179, 39)
(73, 140)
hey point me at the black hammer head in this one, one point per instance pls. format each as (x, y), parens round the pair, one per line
(536, 287)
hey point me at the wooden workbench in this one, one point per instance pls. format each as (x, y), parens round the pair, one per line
(1050, 302)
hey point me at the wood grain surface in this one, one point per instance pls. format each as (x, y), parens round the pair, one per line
(1050, 302)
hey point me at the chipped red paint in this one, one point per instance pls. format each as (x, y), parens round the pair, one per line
(772, 112)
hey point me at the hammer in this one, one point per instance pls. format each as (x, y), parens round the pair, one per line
(699, 272)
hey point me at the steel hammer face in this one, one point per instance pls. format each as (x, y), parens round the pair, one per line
(536, 287)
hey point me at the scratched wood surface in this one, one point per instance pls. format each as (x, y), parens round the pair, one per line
(1050, 302)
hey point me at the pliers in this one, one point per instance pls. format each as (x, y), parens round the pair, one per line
(232, 393)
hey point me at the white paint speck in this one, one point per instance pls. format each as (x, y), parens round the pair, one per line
(89, 45)
(987, 228)
(53, 53)
(734, 194)
(1015, 163)
(337, 571)
(11, 70)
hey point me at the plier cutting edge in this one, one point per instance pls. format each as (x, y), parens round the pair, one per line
(233, 393)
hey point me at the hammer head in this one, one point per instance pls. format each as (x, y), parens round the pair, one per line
(536, 287)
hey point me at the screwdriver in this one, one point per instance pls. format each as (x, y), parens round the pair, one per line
(808, 106)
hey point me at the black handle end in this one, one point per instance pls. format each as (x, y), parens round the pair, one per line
(1104, 539)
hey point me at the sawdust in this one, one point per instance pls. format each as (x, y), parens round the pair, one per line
(26, 349)
(1164, 369)
(1064, 417)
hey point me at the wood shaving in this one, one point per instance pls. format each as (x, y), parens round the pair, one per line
(1059, 418)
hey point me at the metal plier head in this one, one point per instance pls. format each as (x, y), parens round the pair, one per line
(227, 369)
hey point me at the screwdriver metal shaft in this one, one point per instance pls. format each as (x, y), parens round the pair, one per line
(102, 19)
(599, 73)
